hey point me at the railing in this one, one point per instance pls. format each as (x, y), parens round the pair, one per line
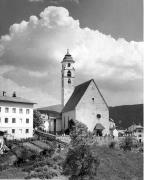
(49, 137)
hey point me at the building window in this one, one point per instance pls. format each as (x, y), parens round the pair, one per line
(6, 120)
(14, 110)
(69, 81)
(20, 111)
(27, 111)
(6, 110)
(13, 120)
(64, 122)
(27, 120)
(98, 116)
(69, 73)
(139, 130)
(13, 131)
(69, 64)
(93, 100)
(27, 131)
(20, 130)
(140, 135)
(21, 120)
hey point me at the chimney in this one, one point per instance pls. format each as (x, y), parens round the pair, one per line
(4, 93)
(14, 94)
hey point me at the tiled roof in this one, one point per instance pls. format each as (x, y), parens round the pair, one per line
(68, 58)
(15, 100)
(99, 126)
(56, 109)
(76, 96)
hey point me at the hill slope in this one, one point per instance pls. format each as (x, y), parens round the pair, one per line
(126, 115)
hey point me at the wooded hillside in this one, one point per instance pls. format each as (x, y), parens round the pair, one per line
(126, 115)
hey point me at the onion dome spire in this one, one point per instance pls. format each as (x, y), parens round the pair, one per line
(68, 57)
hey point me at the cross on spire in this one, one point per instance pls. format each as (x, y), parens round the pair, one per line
(68, 52)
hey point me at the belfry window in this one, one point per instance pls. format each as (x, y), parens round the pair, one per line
(69, 74)
(69, 81)
(69, 64)
(98, 116)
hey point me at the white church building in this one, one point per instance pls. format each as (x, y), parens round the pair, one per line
(84, 103)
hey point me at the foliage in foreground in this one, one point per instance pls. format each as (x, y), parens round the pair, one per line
(80, 162)
(127, 144)
(37, 120)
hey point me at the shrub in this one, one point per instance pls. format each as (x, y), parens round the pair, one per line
(42, 173)
(112, 144)
(127, 143)
(81, 162)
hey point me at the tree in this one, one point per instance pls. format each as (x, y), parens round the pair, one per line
(80, 162)
(37, 120)
(127, 143)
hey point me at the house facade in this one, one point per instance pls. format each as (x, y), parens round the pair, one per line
(137, 131)
(51, 116)
(16, 116)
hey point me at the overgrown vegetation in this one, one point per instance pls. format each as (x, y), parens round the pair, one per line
(37, 120)
(127, 144)
(80, 162)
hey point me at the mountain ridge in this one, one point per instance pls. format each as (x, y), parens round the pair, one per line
(126, 115)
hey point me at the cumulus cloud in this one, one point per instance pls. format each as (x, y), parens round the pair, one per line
(56, 1)
(35, 0)
(34, 49)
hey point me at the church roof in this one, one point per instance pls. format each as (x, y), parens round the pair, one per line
(99, 126)
(77, 95)
(54, 109)
(68, 57)
(15, 100)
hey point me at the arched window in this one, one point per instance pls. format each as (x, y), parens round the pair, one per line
(69, 64)
(69, 74)
(69, 81)
(98, 116)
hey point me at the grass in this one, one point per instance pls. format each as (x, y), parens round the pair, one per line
(12, 173)
(114, 165)
(117, 165)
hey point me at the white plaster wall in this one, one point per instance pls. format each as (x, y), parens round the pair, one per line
(137, 133)
(67, 116)
(58, 125)
(67, 89)
(20, 126)
(87, 109)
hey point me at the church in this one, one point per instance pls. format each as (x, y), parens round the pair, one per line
(83, 103)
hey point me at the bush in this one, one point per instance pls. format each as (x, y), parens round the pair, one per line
(112, 144)
(43, 173)
(80, 162)
(127, 144)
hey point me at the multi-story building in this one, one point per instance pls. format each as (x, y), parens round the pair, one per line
(137, 131)
(16, 116)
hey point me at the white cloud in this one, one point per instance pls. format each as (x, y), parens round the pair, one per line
(38, 46)
(35, 0)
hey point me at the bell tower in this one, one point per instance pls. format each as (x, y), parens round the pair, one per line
(67, 78)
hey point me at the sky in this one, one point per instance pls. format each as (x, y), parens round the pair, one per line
(104, 37)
